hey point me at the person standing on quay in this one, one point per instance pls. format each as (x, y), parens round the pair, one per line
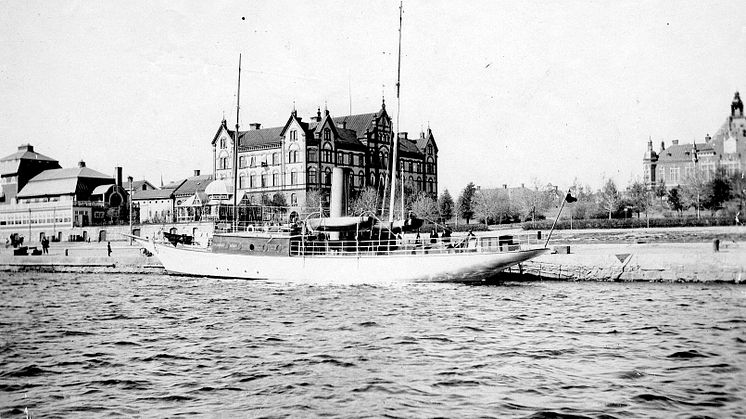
(108, 248)
(45, 245)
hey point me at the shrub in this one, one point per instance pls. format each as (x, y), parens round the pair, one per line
(630, 223)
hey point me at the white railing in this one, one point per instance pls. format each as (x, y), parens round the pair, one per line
(408, 245)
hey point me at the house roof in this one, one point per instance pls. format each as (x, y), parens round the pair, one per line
(137, 185)
(683, 152)
(59, 181)
(102, 189)
(193, 184)
(409, 148)
(24, 153)
(140, 195)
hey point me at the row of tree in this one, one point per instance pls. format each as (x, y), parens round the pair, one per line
(701, 190)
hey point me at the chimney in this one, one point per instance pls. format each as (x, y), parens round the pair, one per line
(118, 175)
(523, 185)
(317, 118)
(342, 124)
(403, 135)
(675, 142)
(708, 138)
(505, 186)
(255, 125)
(81, 163)
(26, 147)
(663, 145)
(196, 172)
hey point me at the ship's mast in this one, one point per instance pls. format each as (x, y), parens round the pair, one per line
(235, 150)
(394, 157)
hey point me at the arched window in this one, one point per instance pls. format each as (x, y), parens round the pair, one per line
(275, 159)
(293, 135)
(293, 199)
(242, 182)
(327, 134)
(372, 179)
(264, 180)
(326, 153)
(361, 179)
(252, 181)
(275, 179)
(327, 176)
(430, 185)
(222, 142)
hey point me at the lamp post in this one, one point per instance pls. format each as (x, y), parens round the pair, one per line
(129, 179)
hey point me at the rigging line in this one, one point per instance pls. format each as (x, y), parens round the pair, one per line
(235, 149)
(395, 147)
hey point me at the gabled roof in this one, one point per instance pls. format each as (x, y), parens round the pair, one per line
(71, 172)
(259, 137)
(408, 148)
(425, 139)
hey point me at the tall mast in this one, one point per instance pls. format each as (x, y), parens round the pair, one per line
(235, 150)
(394, 157)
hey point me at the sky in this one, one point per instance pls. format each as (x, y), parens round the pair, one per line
(515, 92)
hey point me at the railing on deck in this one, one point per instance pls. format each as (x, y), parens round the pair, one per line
(410, 246)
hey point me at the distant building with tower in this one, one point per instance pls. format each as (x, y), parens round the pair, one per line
(672, 166)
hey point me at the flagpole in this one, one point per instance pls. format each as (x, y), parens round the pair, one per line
(549, 236)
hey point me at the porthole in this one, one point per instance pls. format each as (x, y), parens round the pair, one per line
(251, 247)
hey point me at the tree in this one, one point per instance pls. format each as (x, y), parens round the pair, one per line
(314, 200)
(279, 200)
(491, 205)
(674, 200)
(445, 206)
(424, 206)
(366, 201)
(638, 196)
(465, 204)
(693, 190)
(718, 190)
(609, 197)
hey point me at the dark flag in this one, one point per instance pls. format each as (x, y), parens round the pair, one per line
(570, 199)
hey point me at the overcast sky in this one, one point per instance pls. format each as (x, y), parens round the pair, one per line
(514, 92)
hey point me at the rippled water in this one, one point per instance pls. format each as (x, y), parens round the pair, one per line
(106, 345)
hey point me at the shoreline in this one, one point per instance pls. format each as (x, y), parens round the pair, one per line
(644, 255)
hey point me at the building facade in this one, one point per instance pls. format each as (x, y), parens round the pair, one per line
(674, 165)
(299, 156)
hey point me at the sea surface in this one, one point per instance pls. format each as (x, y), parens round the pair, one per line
(101, 345)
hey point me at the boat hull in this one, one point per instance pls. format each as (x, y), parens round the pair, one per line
(464, 266)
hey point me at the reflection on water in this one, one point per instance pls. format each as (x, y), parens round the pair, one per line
(82, 345)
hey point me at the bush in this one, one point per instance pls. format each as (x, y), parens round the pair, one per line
(630, 223)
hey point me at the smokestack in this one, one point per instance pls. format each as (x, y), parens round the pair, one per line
(196, 172)
(505, 186)
(118, 175)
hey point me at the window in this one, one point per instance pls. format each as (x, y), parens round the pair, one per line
(252, 161)
(312, 175)
(223, 163)
(327, 134)
(264, 180)
(242, 162)
(674, 174)
(293, 177)
(327, 176)
(430, 185)
(242, 182)
(222, 142)
(293, 135)
(429, 149)
(275, 179)
(275, 159)
(252, 181)
(312, 157)
(326, 154)
(293, 199)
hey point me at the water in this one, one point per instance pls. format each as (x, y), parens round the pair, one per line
(112, 345)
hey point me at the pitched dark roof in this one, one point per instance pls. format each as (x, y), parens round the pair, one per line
(408, 148)
(193, 184)
(25, 154)
(137, 185)
(683, 152)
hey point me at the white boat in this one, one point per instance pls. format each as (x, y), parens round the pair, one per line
(354, 251)
(304, 258)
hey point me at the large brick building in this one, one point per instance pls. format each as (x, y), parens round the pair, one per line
(299, 156)
(675, 164)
